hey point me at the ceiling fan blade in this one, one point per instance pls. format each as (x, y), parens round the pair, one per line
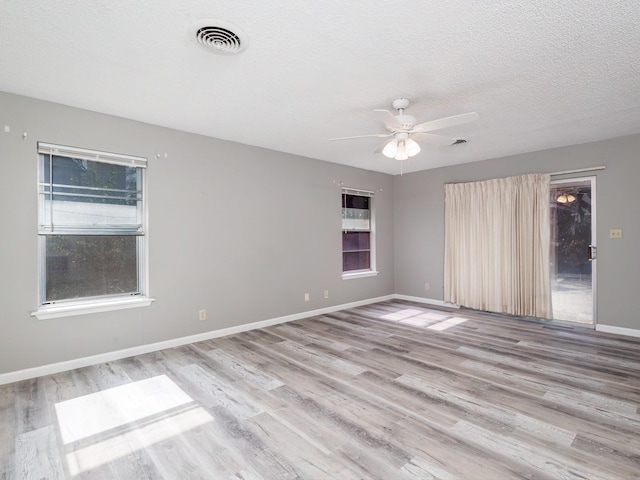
(446, 122)
(433, 139)
(379, 135)
(390, 121)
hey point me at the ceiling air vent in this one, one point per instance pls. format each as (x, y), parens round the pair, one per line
(220, 37)
(459, 141)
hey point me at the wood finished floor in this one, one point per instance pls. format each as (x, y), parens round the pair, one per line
(392, 390)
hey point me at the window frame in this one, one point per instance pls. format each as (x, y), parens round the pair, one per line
(372, 270)
(101, 303)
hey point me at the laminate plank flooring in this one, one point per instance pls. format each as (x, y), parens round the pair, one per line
(393, 390)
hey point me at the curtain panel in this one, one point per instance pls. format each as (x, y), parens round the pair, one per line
(497, 239)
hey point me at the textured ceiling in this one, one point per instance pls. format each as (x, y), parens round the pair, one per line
(540, 73)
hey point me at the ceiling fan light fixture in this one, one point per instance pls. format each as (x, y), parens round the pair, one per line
(412, 147)
(401, 153)
(390, 149)
(401, 148)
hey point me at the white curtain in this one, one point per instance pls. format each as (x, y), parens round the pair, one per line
(497, 238)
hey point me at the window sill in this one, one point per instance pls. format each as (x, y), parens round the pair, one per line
(359, 274)
(83, 308)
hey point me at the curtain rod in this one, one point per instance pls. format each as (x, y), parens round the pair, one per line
(564, 172)
(579, 170)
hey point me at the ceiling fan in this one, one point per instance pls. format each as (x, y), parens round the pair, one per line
(405, 132)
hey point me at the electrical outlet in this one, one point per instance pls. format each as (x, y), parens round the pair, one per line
(306, 297)
(7, 129)
(427, 286)
(326, 294)
(615, 233)
(202, 315)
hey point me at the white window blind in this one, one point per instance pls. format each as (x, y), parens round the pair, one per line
(356, 215)
(89, 192)
(355, 191)
(94, 155)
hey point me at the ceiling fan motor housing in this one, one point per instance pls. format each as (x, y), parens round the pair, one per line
(406, 122)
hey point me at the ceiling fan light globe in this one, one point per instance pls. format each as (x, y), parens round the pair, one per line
(412, 147)
(390, 149)
(401, 153)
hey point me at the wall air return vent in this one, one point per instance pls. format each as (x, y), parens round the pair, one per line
(218, 36)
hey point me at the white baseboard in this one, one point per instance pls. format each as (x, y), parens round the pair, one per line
(630, 332)
(429, 301)
(175, 342)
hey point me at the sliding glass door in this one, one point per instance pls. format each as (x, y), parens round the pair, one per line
(573, 251)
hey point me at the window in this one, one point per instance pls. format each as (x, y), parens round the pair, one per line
(91, 226)
(357, 233)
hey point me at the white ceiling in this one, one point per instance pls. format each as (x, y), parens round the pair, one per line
(540, 73)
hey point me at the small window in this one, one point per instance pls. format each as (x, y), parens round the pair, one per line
(91, 225)
(357, 232)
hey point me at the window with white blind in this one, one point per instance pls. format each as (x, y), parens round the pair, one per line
(358, 257)
(91, 226)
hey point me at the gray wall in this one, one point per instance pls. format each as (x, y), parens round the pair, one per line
(419, 220)
(252, 256)
(241, 231)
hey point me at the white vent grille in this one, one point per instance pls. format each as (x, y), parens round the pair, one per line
(220, 37)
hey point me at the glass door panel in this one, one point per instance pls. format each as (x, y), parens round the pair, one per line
(572, 246)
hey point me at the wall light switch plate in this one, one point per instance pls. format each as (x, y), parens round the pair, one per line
(615, 233)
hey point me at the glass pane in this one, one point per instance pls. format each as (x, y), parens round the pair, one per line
(355, 201)
(571, 287)
(354, 219)
(80, 266)
(355, 212)
(90, 194)
(355, 261)
(355, 241)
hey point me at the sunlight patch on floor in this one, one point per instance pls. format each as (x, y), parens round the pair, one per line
(433, 316)
(401, 315)
(89, 415)
(424, 319)
(417, 318)
(416, 321)
(445, 324)
(100, 453)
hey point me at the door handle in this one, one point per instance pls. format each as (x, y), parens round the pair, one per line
(592, 252)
